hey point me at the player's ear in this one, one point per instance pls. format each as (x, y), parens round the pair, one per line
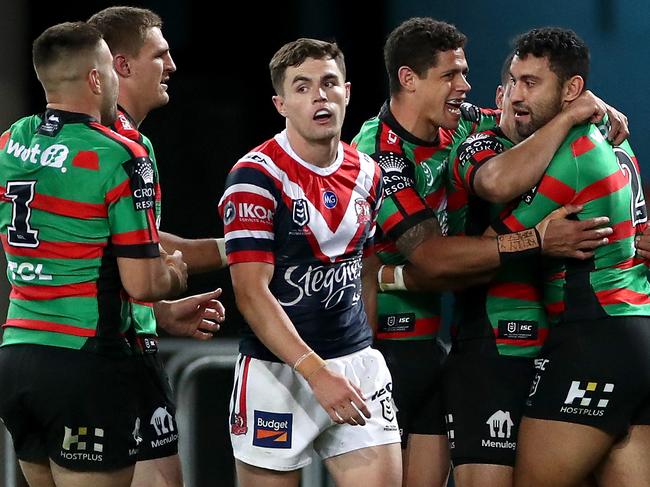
(94, 81)
(573, 88)
(348, 87)
(121, 64)
(278, 102)
(498, 97)
(407, 78)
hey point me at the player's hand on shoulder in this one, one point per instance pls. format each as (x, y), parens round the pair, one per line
(341, 399)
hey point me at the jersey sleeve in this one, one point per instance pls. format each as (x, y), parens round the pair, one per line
(557, 187)
(402, 207)
(131, 209)
(247, 209)
(474, 151)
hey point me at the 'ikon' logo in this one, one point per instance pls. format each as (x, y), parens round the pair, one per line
(273, 430)
(500, 424)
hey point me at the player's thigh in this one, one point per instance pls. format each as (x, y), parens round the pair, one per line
(416, 370)
(64, 477)
(628, 462)
(484, 399)
(375, 466)
(251, 476)
(157, 410)
(38, 474)
(425, 461)
(161, 472)
(483, 475)
(556, 453)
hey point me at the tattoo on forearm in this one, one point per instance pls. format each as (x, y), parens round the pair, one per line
(414, 236)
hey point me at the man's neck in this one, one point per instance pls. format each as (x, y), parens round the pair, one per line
(76, 107)
(135, 113)
(412, 118)
(319, 154)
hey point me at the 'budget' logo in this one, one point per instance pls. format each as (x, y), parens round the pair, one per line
(272, 430)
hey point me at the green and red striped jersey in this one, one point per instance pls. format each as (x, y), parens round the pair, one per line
(141, 314)
(587, 170)
(74, 196)
(509, 309)
(413, 172)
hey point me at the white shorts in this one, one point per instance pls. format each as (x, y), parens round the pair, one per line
(276, 421)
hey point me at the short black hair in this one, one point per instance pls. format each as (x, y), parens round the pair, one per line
(416, 43)
(296, 52)
(567, 54)
(505, 68)
(63, 40)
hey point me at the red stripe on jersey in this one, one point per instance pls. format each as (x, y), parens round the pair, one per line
(556, 276)
(63, 207)
(610, 184)
(3, 139)
(513, 290)
(629, 263)
(423, 152)
(622, 295)
(80, 290)
(49, 326)
(554, 308)
(423, 327)
(386, 246)
(410, 201)
(122, 190)
(542, 333)
(135, 237)
(467, 181)
(457, 200)
(513, 224)
(57, 250)
(86, 159)
(241, 256)
(389, 141)
(556, 190)
(582, 145)
(436, 199)
(136, 149)
(480, 157)
(391, 221)
(622, 231)
(445, 137)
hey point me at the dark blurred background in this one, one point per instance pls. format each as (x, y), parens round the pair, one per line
(221, 94)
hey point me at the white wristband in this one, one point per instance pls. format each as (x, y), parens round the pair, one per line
(398, 278)
(221, 246)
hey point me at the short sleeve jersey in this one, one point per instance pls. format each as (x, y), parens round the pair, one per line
(587, 170)
(313, 224)
(141, 314)
(509, 309)
(74, 197)
(413, 171)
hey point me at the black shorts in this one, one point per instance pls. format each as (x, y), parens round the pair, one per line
(595, 373)
(416, 368)
(75, 407)
(158, 428)
(484, 401)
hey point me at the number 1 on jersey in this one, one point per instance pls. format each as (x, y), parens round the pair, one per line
(19, 233)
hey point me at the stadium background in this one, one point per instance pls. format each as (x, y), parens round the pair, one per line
(221, 97)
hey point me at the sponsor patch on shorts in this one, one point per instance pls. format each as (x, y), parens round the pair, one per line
(272, 430)
(518, 329)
